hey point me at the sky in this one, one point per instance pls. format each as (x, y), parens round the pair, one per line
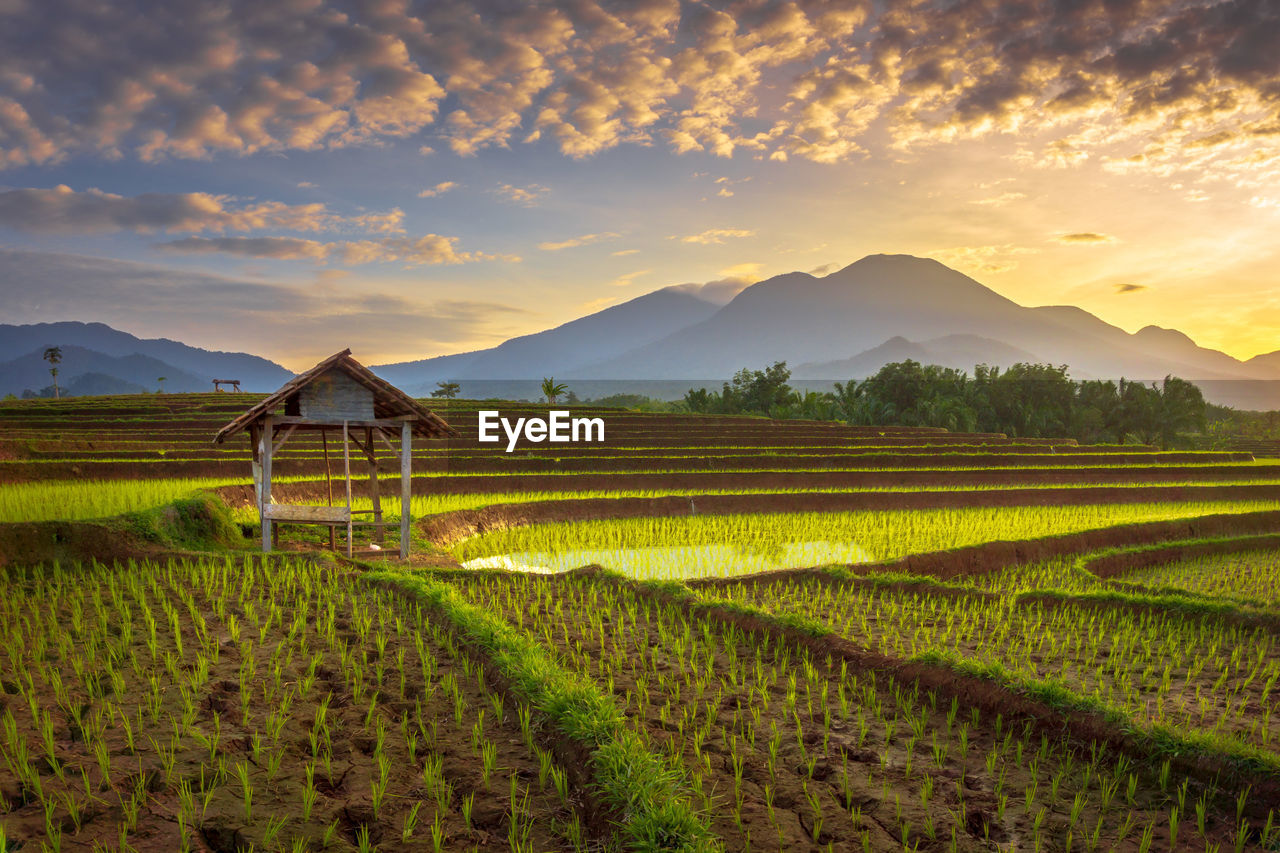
(412, 179)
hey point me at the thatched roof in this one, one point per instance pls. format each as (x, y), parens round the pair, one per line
(388, 400)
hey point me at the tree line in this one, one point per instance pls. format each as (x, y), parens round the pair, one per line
(1023, 401)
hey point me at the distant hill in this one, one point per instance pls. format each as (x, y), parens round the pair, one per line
(841, 326)
(134, 371)
(100, 384)
(1267, 361)
(803, 319)
(134, 363)
(564, 350)
(961, 352)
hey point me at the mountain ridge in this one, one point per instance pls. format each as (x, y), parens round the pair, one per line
(111, 353)
(843, 325)
(803, 319)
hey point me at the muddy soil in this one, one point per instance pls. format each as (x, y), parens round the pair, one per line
(340, 692)
(792, 751)
(1161, 664)
(519, 463)
(991, 557)
(447, 529)
(1118, 564)
(1221, 778)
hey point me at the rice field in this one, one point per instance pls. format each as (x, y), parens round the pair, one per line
(1251, 577)
(743, 673)
(642, 547)
(785, 747)
(225, 705)
(1201, 677)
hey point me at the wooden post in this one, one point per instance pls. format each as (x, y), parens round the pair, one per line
(265, 450)
(406, 484)
(346, 470)
(255, 443)
(373, 484)
(328, 481)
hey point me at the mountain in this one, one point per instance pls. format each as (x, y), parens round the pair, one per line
(1267, 361)
(803, 319)
(100, 384)
(561, 351)
(959, 351)
(844, 325)
(255, 373)
(97, 359)
(85, 371)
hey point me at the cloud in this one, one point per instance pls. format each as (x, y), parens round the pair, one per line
(1084, 237)
(823, 269)
(742, 272)
(982, 259)
(624, 252)
(1000, 200)
(721, 291)
(630, 278)
(827, 80)
(439, 189)
(574, 242)
(64, 210)
(717, 292)
(430, 249)
(296, 323)
(714, 235)
(1130, 288)
(526, 196)
(276, 248)
(377, 223)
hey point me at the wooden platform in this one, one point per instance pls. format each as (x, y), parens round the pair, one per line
(305, 514)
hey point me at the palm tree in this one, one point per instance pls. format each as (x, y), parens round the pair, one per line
(53, 355)
(161, 380)
(552, 389)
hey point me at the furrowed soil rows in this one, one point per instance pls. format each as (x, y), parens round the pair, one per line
(790, 751)
(223, 705)
(1165, 668)
(1246, 571)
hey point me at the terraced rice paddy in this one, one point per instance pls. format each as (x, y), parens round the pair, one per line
(959, 642)
(785, 747)
(1252, 576)
(641, 547)
(1201, 677)
(190, 705)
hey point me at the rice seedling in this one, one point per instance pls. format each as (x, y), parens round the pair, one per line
(719, 545)
(236, 705)
(1252, 577)
(1200, 676)
(301, 708)
(688, 685)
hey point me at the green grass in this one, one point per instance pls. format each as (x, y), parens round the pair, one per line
(1161, 661)
(883, 535)
(434, 504)
(85, 500)
(1252, 577)
(654, 811)
(82, 500)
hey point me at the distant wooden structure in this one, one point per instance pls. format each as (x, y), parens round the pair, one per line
(338, 394)
(218, 383)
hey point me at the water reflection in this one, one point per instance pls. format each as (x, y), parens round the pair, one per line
(682, 561)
